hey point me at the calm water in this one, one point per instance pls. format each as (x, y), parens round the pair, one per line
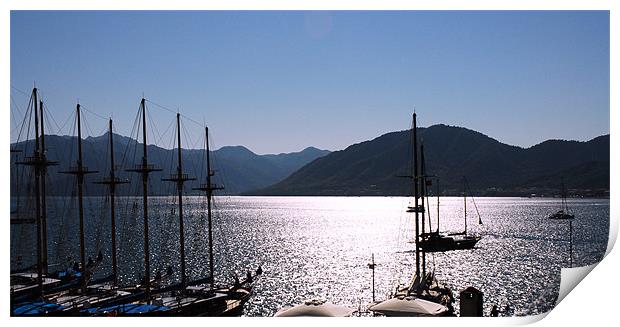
(320, 246)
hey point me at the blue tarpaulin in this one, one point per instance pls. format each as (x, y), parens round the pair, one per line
(37, 308)
(129, 309)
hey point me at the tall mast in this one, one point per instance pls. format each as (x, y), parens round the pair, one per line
(112, 209)
(43, 196)
(415, 195)
(37, 175)
(79, 171)
(39, 163)
(428, 204)
(145, 177)
(209, 195)
(209, 188)
(145, 185)
(145, 169)
(465, 205)
(112, 181)
(80, 178)
(422, 182)
(437, 190)
(180, 178)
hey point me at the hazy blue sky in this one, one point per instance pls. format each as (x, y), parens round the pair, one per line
(281, 81)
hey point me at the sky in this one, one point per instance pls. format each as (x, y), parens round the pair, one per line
(280, 81)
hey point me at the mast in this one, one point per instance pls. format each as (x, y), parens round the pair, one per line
(467, 187)
(570, 242)
(80, 192)
(465, 205)
(209, 214)
(428, 202)
(112, 181)
(43, 196)
(180, 178)
(112, 209)
(415, 195)
(437, 190)
(145, 169)
(37, 175)
(422, 181)
(372, 266)
(145, 185)
(563, 196)
(209, 188)
(564, 203)
(79, 171)
(39, 163)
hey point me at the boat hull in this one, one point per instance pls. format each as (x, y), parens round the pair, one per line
(444, 244)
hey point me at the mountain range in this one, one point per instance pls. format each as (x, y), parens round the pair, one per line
(237, 168)
(372, 167)
(452, 153)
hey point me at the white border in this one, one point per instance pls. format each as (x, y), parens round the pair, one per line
(591, 302)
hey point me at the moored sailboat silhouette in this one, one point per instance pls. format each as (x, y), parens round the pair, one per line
(563, 213)
(440, 242)
(27, 285)
(424, 286)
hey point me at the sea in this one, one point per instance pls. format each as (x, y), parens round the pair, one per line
(320, 247)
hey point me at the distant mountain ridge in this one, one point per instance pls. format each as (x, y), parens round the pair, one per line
(491, 167)
(238, 168)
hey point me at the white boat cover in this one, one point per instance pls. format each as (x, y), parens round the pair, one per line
(315, 309)
(409, 306)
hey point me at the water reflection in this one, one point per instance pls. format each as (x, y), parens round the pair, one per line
(320, 246)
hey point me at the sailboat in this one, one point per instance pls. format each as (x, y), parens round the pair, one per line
(112, 181)
(438, 242)
(563, 212)
(80, 171)
(28, 285)
(424, 290)
(235, 296)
